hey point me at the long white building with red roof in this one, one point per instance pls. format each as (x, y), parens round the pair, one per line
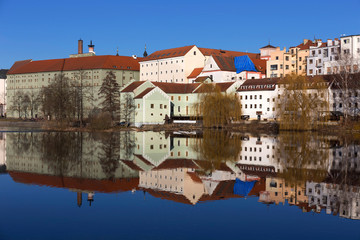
(30, 76)
(177, 65)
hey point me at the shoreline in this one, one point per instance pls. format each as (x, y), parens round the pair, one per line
(255, 127)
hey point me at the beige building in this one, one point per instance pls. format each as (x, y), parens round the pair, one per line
(176, 64)
(283, 62)
(30, 76)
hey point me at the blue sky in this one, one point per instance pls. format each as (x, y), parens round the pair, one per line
(46, 29)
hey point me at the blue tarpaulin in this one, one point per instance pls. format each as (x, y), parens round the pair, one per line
(243, 188)
(244, 63)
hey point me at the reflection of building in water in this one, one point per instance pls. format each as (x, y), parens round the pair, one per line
(2, 152)
(89, 169)
(279, 191)
(257, 156)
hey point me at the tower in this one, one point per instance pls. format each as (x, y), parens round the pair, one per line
(91, 47)
(145, 53)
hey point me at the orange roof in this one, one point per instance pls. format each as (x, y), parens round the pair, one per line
(260, 65)
(132, 86)
(305, 46)
(81, 63)
(176, 87)
(146, 91)
(97, 185)
(194, 177)
(195, 72)
(169, 53)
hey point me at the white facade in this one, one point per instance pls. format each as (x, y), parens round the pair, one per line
(323, 57)
(3, 84)
(258, 99)
(172, 69)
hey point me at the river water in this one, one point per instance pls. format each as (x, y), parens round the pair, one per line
(178, 185)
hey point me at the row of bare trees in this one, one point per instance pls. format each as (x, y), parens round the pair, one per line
(72, 100)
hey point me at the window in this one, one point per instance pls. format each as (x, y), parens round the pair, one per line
(287, 67)
(287, 58)
(194, 52)
(179, 98)
(274, 67)
(260, 96)
(151, 105)
(187, 98)
(277, 57)
(138, 105)
(268, 100)
(161, 106)
(178, 108)
(172, 98)
(310, 61)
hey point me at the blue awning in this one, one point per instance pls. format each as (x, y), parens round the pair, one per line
(244, 63)
(243, 188)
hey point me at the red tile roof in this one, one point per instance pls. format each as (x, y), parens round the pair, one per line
(176, 87)
(194, 177)
(182, 51)
(176, 163)
(143, 93)
(260, 65)
(225, 63)
(305, 46)
(201, 79)
(132, 86)
(195, 72)
(223, 86)
(169, 53)
(97, 185)
(80, 63)
(226, 53)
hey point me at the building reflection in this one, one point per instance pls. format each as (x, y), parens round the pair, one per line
(313, 173)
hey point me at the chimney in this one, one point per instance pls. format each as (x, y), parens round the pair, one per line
(91, 47)
(80, 46)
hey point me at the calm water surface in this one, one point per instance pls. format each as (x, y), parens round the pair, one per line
(157, 185)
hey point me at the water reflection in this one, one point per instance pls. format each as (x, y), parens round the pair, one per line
(314, 173)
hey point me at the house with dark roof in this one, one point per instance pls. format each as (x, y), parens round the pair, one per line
(177, 65)
(182, 96)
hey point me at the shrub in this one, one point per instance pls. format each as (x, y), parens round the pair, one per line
(101, 121)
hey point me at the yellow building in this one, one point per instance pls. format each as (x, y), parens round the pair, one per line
(293, 61)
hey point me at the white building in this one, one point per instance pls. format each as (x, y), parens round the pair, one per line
(258, 98)
(323, 57)
(222, 69)
(176, 64)
(3, 83)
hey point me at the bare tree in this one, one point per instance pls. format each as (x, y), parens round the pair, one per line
(16, 103)
(216, 108)
(57, 98)
(303, 104)
(128, 108)
(345, 85)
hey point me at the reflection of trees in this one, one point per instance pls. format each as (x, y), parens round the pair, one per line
(127, 145)
(303, 157)
(216, 148)
(62, 151)
(110, 154)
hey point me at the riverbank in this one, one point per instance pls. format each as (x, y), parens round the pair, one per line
(254, 127)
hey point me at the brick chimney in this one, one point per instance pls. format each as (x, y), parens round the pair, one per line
(80, 46)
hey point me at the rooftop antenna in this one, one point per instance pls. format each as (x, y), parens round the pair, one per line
(117, 51)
